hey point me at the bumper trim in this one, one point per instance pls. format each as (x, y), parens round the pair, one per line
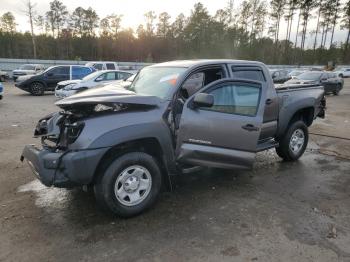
(63, 169)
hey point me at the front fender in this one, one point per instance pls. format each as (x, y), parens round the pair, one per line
(158, 131)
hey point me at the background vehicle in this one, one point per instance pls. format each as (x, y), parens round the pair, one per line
(47, 80)
(294, 73)
(1, 91)
(342, 72)
(125, 83)
(3, 76)
(329, 80)
(71, 87)
(279, 75)
(174, 117)
(27, 69)
(103, 65)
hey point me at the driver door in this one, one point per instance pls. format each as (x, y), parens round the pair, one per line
(225, 134)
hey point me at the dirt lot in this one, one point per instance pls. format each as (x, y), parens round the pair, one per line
(276, 212)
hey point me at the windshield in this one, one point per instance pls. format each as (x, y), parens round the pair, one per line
(156, 81)
(27, 67)
(91, 76)
(295, 73)
(310, 76)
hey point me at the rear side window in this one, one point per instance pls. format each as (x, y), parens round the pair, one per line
(110, 66)
(248, 73)
(79, 72)
(239, 99)
(123, 75)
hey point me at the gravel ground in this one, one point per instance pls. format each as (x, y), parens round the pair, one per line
(276, 212)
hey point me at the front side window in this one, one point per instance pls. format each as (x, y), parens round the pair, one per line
(109, 76)
(123, 75)
(60, 70)
(78, 72)
(239, 99)
(98, 66)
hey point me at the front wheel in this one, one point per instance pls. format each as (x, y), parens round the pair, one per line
(293, 144)
(129, 185)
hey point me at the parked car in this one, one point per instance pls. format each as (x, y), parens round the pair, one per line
(103, 65)
(329, 80)
(127, 142)
(294, 73)
(3, 76)
(1, 91)
(47, 80)
(27, 69)
(342, 72)
(98, 78)
(125, 83)
(279, 75)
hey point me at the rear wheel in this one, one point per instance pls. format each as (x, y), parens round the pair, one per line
(37, 89)
(337, 90)
(341, 75)
(129, 185)
(293, 144)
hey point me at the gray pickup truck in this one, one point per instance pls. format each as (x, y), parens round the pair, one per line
(175, 117)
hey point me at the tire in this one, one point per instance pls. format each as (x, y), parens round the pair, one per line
(118, 188)
(341, 75)
(337, 90)
(37, 89)
(292, 150)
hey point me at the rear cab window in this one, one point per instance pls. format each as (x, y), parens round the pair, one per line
(248, 72)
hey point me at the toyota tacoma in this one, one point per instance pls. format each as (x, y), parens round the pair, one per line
(175, 117)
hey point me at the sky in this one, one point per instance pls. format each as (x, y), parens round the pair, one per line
(133, 11)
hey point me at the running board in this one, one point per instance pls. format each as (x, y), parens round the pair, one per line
(266, 145)
(191, 169)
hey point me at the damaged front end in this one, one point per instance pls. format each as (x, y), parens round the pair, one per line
(60, 162)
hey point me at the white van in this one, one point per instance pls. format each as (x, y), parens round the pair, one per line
(103, 65)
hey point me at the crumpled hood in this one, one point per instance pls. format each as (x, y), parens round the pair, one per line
(108, 95)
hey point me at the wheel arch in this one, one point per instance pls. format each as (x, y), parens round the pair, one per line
(148, 145)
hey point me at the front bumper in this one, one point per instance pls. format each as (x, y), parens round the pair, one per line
(63, 169)
(60, 93)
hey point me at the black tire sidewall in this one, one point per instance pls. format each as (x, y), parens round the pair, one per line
(41, 89)
(104, 189)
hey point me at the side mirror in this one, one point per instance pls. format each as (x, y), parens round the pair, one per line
(99, 79)
(323, 79)
(203, 100)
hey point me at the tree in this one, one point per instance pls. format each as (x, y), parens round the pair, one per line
(306, 7)
(30, 13)
(91, 20)
(345, 25)
(77, 21)
(163, 25)
(335, 7)
(150, 17)
(56, 17)
(39, 22)
(8, 23)
(277, 11)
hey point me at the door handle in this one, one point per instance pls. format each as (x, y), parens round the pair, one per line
(250, 127)
(268, 101)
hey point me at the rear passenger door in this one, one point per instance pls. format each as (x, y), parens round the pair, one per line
(57, 74)
(226, 134)
(271, 108)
